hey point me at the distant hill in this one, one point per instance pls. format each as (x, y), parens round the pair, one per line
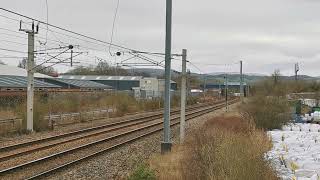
(251, 74)
(153, 72)
(216, 77)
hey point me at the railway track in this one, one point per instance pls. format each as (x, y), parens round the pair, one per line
(116, 125)
(103, 139)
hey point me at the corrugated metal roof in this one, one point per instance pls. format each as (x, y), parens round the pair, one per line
(171, 81)
(235, 83)
(83, 83)
(6, 70)
(105, 78)
(21, 82)
(229, 83)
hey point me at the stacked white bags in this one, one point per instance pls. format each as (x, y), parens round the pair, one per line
(296, 151)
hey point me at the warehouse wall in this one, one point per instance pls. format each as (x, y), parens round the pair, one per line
(120, 85)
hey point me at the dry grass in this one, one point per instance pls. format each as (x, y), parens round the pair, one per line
(267, 112)
(227, 147)
(59, 103)
(6, 114)
(10, 126)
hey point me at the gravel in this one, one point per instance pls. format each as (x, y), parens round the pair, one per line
(119, 163)
(20, 138)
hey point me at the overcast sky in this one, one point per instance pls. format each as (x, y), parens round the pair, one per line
(266, 35)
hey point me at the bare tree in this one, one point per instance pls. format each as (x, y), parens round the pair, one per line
(40, 69)
(103, 68)
(276, 76)
(23, 63)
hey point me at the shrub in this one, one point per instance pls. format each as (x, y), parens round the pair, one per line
(143, 172)
(224, 148)
(267, 112)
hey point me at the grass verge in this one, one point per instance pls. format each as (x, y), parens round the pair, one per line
(267, 112)
(226, 147)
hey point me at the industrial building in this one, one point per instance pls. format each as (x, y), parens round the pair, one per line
(15, 79)
(19, 83)
(142, 87)
(82, 85)
(121, 83)
(233, 87)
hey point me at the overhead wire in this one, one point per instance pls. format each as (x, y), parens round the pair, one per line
(96, 41)
(47, 20)
(113, 45)
(113, 25)
(10, 56)
(13, 42)
(11, 50)
(64, 29)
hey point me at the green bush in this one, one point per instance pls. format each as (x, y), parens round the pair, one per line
(143, 172)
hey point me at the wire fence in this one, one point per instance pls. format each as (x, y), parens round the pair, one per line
(53, 109)
(9, 102)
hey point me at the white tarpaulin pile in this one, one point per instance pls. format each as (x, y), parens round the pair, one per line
(296, 151)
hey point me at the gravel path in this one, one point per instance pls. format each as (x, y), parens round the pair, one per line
(118, 163)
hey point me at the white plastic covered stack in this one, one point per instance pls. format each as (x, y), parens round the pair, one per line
(296, 151)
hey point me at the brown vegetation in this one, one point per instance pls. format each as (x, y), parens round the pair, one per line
(226, 147)
(53, 103)
(279, 87)
(267, 112)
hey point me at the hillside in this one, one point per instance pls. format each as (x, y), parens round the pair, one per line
(216, 77)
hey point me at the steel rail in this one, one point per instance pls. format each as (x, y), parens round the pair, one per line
(123, 125)
(88, 145)
(63, 166)
(50, 138)
(47, 146)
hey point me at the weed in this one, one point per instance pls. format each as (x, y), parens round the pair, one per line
(143, 172)
(225, 148)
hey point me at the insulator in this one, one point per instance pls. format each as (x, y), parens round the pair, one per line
(70, 46)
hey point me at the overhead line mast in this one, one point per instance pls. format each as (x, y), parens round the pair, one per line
(30, 72)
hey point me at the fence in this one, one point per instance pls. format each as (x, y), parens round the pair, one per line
(62, 108)
(71, 118)
(10, 125)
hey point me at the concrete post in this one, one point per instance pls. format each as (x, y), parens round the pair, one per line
(183, 95)
(30, 74)
(166, 144)
(30, 86)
